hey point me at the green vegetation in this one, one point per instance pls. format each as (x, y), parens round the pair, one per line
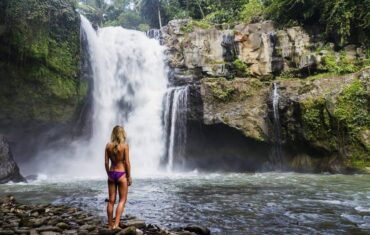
(341, 21)
(221, 92)
(352, 107)
(40, 77)
(338, 63)
(252, 11)
(317, 126)
(333, 63)
(342, 126)
(189, 27)
(352, 112)
(240, 68)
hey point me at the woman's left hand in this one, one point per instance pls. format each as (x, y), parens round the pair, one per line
(129, 181)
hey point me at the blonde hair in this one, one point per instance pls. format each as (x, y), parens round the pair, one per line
(118, 137)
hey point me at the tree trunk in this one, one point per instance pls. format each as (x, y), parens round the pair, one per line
(159, 15)
(200, 8)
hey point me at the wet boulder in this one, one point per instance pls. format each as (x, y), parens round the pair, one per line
(9, 170)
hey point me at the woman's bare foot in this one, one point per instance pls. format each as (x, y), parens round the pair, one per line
(116, 227)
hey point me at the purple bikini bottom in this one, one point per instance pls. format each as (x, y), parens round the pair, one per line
(115, 175)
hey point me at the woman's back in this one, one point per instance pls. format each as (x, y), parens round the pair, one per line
(117, 156)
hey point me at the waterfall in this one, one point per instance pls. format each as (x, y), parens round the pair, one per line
(154, 33)
(277, 153)
(129, 82)
(175, 119)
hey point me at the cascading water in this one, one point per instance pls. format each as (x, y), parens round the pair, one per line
(175, 120)
(129, 82)
(154, 33)
(277, 152)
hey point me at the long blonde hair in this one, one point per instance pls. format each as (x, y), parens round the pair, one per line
(118, 136)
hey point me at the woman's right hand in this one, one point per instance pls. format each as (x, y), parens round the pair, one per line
(129, 181)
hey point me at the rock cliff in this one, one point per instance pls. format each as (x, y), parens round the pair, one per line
(324, 118)
(39, 62)
(41, 87)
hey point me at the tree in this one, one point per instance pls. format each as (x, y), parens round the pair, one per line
(342, 20)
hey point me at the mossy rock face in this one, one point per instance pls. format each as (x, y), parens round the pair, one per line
(332, 117)
(40, 61)
(239, 103)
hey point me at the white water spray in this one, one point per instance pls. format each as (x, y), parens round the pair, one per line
(129, 82)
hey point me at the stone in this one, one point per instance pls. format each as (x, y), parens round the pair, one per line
(83, 232)
(34, 232)
(207, 49)
(185, 233)
(37, 222)
(106, 231)
(134, 223)
(131, 230)
(22, 230)
(264, 49)
(48, 228)
(70, 232)
(199, 230)
(139, 232)
(62, 225)
(7, 232)
(351, 51)
(35, 214)
(309, 112)
(87, 227)
(238, 103)
(49, 233)
(9, 170)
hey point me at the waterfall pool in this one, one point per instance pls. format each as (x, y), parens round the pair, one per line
(260, 203)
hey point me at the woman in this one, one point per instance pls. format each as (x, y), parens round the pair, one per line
(119, 173)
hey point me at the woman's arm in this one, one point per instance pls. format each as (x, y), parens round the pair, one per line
(128, 165)
(106, 159)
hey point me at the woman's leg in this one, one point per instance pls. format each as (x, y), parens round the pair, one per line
(112, 189)
(122, 190)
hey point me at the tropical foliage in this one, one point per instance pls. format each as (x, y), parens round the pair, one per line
(342, 21)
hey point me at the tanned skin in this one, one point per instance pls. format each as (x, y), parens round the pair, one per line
(122, 161)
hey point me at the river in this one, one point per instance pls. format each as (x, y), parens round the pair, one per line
(255, 203)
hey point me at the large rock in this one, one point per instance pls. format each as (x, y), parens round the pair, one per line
(9, 170)
(204, 48)
(328, 117)
(324, 122)
(269, 51)
(264, 49)
(239, 103)
(256, 43)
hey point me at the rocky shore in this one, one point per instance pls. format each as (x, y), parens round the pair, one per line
(18, 218)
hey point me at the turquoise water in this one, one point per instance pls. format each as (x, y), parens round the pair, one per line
(262, 203)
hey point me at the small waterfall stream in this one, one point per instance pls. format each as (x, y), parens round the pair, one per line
(175, 121)
(277, 151)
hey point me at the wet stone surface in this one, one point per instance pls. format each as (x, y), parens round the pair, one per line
(17, 218)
